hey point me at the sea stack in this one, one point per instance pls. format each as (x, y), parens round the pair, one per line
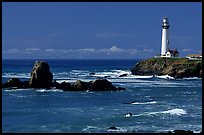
(41, 77)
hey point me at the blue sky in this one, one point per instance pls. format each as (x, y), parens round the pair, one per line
(100, 30)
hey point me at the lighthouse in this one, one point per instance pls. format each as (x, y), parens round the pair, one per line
(165, 36)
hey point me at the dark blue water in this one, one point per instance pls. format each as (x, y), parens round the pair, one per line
(158, 104)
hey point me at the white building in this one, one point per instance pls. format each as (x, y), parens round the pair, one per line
(165, 48)
(194, 56)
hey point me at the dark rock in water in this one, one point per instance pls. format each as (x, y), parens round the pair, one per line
(25, 84)
(55, 84)
(123, 75)
(102, 84)
(128, 115)
(120, 88)
(92, 73)
(200, 73)
(113, 128)
(182, 131)
(97, 85)
(175, 67)
(80, 86)
(13, 82)
(63, 86)
(41, 77)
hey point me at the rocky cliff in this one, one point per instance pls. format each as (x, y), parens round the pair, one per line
(175, 67)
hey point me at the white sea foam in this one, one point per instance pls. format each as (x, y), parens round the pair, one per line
(143, 103)
(137, 77)
(50, 90)
(89, 128)
(125, 80)
(111, 73)
(128, 115)
(11, 90)
(119, 129)
(192, 78)
(16, 75)
(175, 111)
(165, 77)
(72, 81)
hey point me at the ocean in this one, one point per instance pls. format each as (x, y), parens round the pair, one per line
(158, 104)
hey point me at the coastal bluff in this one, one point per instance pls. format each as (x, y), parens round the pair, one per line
(174, 67)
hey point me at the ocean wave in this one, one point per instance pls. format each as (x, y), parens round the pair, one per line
(192, 78)
(11, 90)
(38, 90)
(174, 112)
(118, 129)
(111, 73)
(16, 75)
(143, 103)
(132, 82)
(50, 90)
(90, 129)
(164, 77)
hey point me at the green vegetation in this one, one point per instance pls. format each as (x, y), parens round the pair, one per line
(175, 67)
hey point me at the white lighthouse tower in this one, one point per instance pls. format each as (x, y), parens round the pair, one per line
(165, 36)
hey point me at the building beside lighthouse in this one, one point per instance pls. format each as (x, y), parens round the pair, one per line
(165, 48)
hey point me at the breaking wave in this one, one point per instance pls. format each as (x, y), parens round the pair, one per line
(143, 103)
(50, 90)
(111, 74)
(16, 75)
(176, 111)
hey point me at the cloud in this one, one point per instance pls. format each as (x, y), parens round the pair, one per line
(86, 50)
(187, 50)
(49, 50)
(32, 49)
(115, 49)
(14, 50)
(112, 50)
(82, 53)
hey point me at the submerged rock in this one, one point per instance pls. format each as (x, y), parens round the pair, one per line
(41, 77)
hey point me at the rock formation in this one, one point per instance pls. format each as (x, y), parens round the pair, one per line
(97, 85)
(41, 77)
(102, 84)
(175, 67)
(13, 82)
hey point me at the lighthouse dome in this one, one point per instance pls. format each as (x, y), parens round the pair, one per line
(165, 20)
